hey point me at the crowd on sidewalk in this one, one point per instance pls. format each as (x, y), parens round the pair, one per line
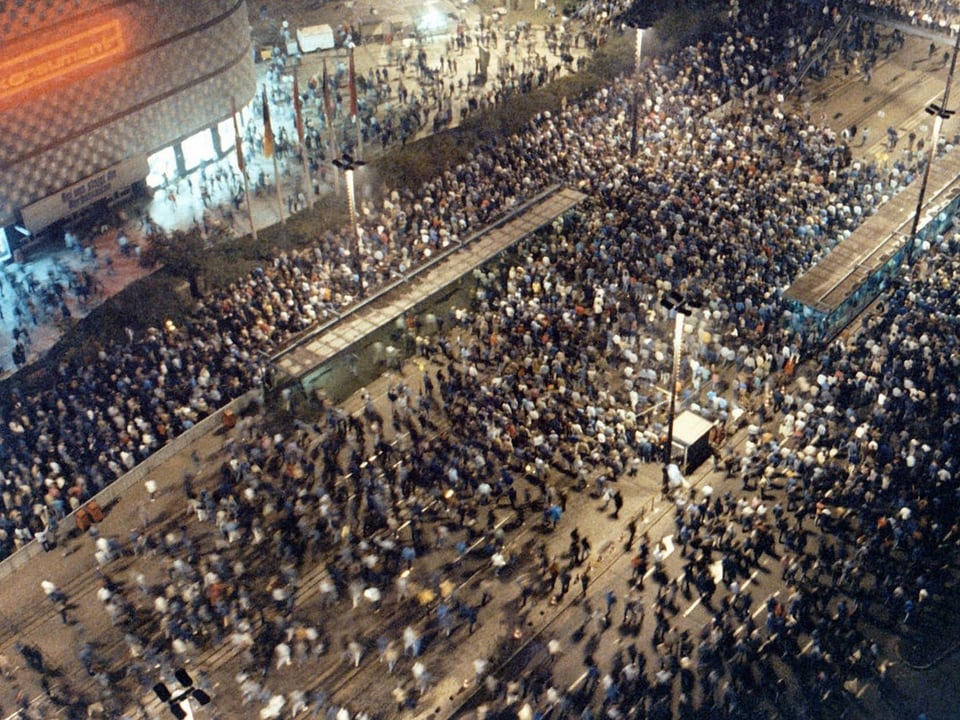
(939, 15)
(418, 88)
(552, 368)
(65, 287)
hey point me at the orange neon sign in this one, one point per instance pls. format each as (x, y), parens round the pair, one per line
(67, 55)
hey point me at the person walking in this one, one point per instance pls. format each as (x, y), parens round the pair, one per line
(355, 652)
(86, 657)
(471, 615)
(7, 669)
(391, 654)
(610, 598)
(631, 535)
(584, 550)
(411, 641)
(575, 545)
(57, 597)
(421, 676)
(282, 651)
(617, 504)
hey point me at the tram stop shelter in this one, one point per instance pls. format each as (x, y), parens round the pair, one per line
(826, 298)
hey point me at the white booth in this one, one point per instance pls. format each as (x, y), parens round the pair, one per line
(691, 440)
(315, 37)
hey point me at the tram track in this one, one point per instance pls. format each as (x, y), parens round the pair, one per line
(396, 614)
(880, 99)
(617, 553)
(87, 582)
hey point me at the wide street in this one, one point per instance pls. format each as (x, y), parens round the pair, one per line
(516, 638)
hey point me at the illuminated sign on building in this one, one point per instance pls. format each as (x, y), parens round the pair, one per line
(69, 200)
(54, 60)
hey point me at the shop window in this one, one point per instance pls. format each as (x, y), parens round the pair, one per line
(162, 166)
(198, 149)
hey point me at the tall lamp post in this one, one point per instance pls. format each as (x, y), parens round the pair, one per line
(940, 113)
(634, 111)
(179, 703)
(682, 306)
(348, 165)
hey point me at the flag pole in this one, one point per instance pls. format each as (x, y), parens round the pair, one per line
(270, 151)
(354, 115)
(276, 182)
(243, 169)
(303, 146)
(328, 114)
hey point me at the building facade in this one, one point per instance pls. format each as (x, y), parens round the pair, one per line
(94, 92)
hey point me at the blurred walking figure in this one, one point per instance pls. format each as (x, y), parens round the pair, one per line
(411, 641)
(7, 670)
(328, 592)
(57, 597)
(421, 676)
(282, 651)
(391, 653)
(355, 651)
(356, 592)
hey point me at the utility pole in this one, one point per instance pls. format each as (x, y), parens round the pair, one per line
(939, 113)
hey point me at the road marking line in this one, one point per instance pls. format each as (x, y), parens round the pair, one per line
(700, 599)
(692, 606)
(760, 609)
(575, 683)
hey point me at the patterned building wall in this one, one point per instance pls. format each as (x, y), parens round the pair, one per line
(180, 65)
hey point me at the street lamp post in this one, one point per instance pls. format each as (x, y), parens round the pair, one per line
(940, 113)
(348, 165)
(639, 48)
(682, 306)
(634, 111)
(179, 703)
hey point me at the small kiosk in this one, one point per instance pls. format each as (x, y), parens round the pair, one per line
(691, 440)
(315, 37)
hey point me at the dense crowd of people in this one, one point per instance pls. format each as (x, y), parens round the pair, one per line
(846, 481)
(940, 15)
(418, 91)
(98, 418)
(214, 358)
(551, 370)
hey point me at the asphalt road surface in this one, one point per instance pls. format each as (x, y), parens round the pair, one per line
(518, 638)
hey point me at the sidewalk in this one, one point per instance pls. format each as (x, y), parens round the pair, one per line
(44, 265)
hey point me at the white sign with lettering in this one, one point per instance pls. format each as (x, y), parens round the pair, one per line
(75, 197)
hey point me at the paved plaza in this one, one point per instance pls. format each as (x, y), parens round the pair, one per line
(516, 625)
